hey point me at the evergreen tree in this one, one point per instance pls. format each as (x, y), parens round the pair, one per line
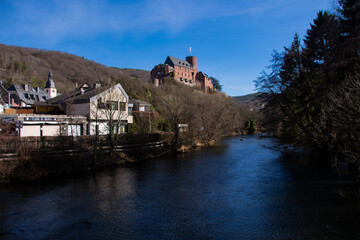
(349, 11)
(307, 92)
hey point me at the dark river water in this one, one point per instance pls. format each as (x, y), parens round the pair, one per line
(235, 190)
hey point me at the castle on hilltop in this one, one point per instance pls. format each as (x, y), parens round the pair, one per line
(184, 71)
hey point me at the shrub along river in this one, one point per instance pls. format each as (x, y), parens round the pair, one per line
(234, 190)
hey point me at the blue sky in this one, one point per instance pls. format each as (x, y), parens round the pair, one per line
(233, 40)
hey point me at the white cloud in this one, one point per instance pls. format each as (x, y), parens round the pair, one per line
(58, 20)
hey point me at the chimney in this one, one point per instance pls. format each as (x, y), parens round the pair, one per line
(96, 85)
(26, 87)
(192, 60)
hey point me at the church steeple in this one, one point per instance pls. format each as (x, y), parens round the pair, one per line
(50, 82)
(50, 89)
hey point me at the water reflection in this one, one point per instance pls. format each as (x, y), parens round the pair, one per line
(236, 190)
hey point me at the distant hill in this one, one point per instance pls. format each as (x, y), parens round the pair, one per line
(20, 65)
(249, 100)
(247, 97)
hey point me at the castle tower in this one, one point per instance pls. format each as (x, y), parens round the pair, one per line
(192, 60)
(50, 89)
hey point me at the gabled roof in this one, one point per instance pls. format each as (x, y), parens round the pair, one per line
(84, 86)
(84, 96)
(4, 94)
(173, 61)
(30, 96)
(203, 74)
(139, 102)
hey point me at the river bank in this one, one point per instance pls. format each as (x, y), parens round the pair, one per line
(30, 159)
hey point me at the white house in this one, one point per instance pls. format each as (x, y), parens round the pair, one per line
(102, 106)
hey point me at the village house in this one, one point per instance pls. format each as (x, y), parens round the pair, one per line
(103, 107)
(25, 96)
(184, 71)
(138, 105)
(85, 111)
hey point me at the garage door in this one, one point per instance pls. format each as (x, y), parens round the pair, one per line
(51, 130)
(30, 131)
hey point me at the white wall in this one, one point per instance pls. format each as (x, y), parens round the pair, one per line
(113, 94)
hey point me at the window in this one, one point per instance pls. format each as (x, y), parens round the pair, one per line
(27, 96)
(122, 106)
(112, 105)
(100, 104)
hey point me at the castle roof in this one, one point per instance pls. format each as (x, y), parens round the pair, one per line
(173, 61)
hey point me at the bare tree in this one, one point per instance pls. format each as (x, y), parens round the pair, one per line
(109, 113)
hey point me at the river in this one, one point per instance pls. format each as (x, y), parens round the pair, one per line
(234, 190)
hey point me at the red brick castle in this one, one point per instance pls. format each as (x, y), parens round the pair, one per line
(184, 71)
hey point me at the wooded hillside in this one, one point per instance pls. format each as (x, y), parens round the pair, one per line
(21, 65)
(208, 116)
